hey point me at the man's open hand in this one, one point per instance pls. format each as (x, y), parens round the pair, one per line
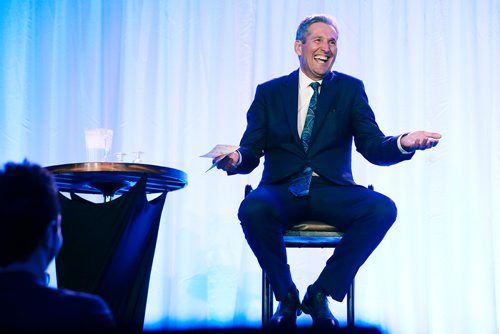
(420, 140)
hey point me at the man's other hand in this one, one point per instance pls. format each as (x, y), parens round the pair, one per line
(420, 140)
(229, 162)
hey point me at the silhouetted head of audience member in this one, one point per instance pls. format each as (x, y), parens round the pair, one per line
(30, 238)
(30, 218)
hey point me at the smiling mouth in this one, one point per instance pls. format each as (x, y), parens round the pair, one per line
(322, 59)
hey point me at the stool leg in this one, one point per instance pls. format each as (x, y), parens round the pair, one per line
(267, 301)
(350, 305)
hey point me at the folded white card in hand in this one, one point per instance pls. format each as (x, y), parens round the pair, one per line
(218, 153)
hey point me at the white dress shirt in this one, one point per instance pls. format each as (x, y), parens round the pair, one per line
(305, 94)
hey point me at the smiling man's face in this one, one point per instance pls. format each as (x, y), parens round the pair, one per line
(317, 53)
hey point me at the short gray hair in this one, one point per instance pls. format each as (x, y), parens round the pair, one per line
(303, 27)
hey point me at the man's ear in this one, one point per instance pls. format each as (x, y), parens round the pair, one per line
(48, 235)
(298, 47)
(51, 233)
(54, 240)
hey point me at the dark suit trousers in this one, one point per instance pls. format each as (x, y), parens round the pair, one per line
(363, 214)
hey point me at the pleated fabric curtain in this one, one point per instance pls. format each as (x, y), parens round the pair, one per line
(109, 248)
(174, 78)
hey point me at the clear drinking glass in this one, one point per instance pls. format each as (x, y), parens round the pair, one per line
(138, 157)
(119, 156)
(98, 142)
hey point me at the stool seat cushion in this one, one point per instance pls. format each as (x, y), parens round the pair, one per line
(313, 234)
(316, 226)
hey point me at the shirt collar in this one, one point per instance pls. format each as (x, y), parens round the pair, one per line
(305, 81)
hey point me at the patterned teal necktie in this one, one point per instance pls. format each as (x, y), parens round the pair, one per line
(308, 124)
(301, 183)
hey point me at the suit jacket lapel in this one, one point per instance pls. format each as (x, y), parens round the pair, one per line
(290, 102)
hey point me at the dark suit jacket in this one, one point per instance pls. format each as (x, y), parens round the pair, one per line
(342, 113)
(27, 305)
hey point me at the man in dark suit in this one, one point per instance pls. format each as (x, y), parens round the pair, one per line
(304, 124)
(30, 238)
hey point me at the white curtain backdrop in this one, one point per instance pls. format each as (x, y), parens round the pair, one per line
(174, 78)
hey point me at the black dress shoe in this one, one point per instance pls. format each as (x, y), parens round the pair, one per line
(315, 304)
(287, 312)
